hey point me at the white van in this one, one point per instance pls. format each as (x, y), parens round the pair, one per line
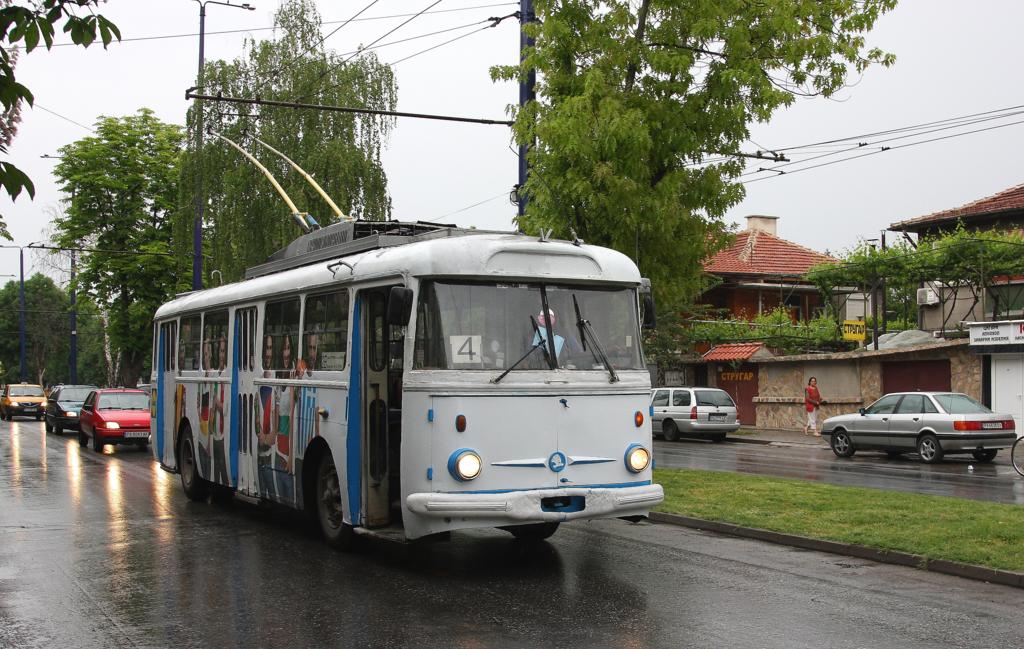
(693, 412)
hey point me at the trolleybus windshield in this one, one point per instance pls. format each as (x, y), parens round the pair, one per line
(465, 326)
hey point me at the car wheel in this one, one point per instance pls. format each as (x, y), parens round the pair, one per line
(329, 510)
(929, 449)
(142, 446)
(83, 439)
(191, 482)
(841, 443)
(533, 532)
(669, 431)
(47, 426)
(97, 443)
(718, 439)
(985, 454)
(38, 417)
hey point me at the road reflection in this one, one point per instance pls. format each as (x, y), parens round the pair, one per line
(74, 473)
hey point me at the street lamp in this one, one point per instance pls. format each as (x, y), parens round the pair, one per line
(197, 224)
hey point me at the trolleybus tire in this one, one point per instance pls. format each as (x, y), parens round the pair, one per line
(195, 488)
(985, 454)
(534, 531)
(330, 513)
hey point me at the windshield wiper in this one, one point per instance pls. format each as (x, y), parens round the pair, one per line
(541, 342)
(587, 331)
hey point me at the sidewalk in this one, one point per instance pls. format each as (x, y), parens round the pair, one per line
(755, 435)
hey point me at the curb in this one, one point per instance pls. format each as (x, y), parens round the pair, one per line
(765, 442)
(968, 571)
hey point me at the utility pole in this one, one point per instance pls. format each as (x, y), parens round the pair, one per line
(526, 94)
(885, 309)
(197, 223)
(73, 360)
(21, 313)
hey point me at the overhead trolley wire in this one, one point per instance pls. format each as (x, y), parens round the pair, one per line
(494, 23)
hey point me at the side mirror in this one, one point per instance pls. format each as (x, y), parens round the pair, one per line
(861, 411)
(649, 320)
(399, 306)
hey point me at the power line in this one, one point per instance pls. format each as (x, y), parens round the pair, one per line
(324, 23)
(344, 109)
(67, 119)
(495, 22)
(393, 30)
(468, 207)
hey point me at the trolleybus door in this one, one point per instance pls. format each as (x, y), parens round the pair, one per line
(168, 411)
(245, 411)
(375, 407)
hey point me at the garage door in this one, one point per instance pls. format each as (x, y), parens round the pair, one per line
(911, 376)
(741, 384)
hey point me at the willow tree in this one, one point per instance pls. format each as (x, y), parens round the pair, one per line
(245, 219)
(642, 107)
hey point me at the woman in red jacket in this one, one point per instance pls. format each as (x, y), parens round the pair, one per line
(812, 401)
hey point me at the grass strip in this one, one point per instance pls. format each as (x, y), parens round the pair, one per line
(936, 527)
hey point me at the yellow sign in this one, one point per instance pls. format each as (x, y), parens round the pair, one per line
(854, 330)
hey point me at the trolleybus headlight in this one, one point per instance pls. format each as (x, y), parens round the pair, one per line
(464, 464)
(637, 458)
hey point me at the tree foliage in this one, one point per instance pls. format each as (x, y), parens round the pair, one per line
(121, 189)
(46, 331)
(633, 97)
(29, 27)
(973, 261)
(246, 220)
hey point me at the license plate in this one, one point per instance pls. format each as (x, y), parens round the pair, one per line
(131, 434)
(992, 424)
(717, 416)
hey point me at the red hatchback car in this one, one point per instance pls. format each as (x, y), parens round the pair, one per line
(114, 416)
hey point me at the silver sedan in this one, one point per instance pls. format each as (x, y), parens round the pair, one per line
(932, 424)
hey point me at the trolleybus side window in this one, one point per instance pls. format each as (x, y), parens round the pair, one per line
(325, 332)
(281, 336)
(189, 343)
(246, 319)
(170, 332)
(215, 341)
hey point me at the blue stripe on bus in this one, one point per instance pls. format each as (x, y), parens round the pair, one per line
(161, 360)
(353, 442)
(617, 485)
(235, 402)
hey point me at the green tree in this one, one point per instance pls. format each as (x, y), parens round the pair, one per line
(642, 107)
(246, 220)
(47, 332)
(121, 186)
(22, 25)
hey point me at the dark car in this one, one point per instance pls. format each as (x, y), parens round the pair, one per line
(63, 405)
(114, 416)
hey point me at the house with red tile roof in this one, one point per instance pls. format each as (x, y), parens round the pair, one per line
(1004, 210)
(760, 271)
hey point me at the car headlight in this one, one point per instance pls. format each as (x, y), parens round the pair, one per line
(113, 424)
(465, 464)
(43, 404)
(637, 458)
(70, 413)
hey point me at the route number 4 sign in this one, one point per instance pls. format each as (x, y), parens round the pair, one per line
(465, 350)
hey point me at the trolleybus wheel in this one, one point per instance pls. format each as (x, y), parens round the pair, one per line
(191, 482)
(329, 510)
(533, 531)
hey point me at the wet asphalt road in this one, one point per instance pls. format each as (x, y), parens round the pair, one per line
(960, 476)
(105, 551)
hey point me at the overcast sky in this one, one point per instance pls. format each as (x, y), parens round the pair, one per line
(953, 59)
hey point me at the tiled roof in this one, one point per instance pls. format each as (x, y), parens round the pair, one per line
(732, 352)
(1005, 201)
(755, 252)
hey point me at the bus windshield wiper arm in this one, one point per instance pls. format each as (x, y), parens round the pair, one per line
(541, 342)
(587, 331)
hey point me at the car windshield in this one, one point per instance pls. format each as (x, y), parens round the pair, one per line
(469, 326)
(124, 401)
(713, 398)
(26, 391)
(960, 404)
(74, 394)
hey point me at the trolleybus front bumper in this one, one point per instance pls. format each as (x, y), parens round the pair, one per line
(558, 504)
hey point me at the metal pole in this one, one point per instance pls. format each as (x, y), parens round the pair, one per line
(526, 95)
(885, 291)
(21, 311)
(73, 361)
(197, 223)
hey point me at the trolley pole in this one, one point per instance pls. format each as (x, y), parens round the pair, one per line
(527, 93)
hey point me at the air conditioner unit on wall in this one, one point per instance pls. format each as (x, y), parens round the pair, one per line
(927, 297)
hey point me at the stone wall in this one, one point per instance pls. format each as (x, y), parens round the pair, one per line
(780, 402)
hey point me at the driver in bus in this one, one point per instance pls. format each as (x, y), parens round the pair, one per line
(563, 346)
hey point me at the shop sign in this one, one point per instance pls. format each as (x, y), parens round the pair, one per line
(855, 330)
(736, 376)
(997, 333)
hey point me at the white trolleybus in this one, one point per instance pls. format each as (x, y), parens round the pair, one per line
(411, 379)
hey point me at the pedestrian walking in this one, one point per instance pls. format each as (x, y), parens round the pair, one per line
(812, 401)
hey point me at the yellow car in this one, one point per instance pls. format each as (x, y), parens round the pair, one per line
(25, 399)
